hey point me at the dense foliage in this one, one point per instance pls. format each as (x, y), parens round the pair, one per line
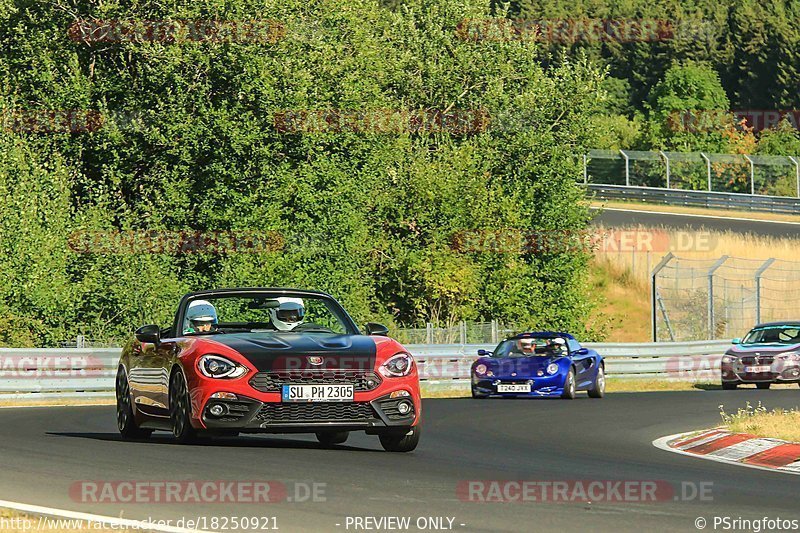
(188, 140)
(740, 54)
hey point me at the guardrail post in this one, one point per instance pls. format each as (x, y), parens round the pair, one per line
(666, 164)
(627, 169)
(708, 168)
(759, 272)
(653, 292)
(796, 174)
(752, 174)
(711, 271)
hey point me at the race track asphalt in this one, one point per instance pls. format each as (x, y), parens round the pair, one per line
(46, 450)
(626, 218)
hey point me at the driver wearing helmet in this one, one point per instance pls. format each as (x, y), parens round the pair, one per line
(527, 346)
(289, 314)
(201, 317)
(556, 345)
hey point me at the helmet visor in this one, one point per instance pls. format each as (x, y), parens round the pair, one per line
(290, 315)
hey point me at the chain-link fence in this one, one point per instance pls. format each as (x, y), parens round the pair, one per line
(769, 175)
(697, 299)
(460, 333)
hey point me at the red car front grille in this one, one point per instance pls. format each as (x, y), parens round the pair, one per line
(271, 381)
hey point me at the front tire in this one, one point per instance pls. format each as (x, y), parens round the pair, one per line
(126, 421)
(180, 409)
(763, 385)
(729, 385)
(329, 438)
(405, 442)
(598, 390)
(569, 386)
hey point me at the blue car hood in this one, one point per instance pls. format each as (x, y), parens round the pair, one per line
(522, 366)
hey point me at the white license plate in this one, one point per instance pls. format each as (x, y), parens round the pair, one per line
(757, 369)
(317, 393)
(513, 387)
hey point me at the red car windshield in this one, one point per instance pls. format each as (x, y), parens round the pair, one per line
(266, 312)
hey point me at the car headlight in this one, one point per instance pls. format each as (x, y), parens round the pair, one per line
(397, 366)
(480, 369)
(216, 366)
(552, 368)
(789, 356)
(728, 359)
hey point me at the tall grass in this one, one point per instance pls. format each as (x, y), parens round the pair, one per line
(777, 424)
(684, 283)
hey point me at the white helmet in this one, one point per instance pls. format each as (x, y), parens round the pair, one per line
(289, 314)
(200, 312)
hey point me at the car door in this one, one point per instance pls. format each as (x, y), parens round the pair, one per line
(149, 376)
(583, 361)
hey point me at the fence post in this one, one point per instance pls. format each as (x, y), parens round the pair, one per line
(585, 170)
(463, 329)
(796, 174)
(711, 271)
(79, 341)
(666, 164)
(708, 168)
(428, 333)
(752, 174)
(653, 292)
(764, 266)
(494, 331)
(665, 315)
(627, 169)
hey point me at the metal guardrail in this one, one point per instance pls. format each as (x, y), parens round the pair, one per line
(718, 200)
(696, 360)
(66, 371)
(54, 370)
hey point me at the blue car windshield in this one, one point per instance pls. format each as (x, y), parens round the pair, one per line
(531, 347)
(774, 335)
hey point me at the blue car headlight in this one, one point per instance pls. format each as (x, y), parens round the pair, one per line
(218, 367)
(552, 368)
(480, 369)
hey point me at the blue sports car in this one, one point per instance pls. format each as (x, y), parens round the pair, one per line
(542, 363)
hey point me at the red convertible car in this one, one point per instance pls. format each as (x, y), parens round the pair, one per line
(268, 360)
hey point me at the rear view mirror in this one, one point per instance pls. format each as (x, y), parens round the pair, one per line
(263, 304)
(374, 328)
(148, 334)
(484, 353)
